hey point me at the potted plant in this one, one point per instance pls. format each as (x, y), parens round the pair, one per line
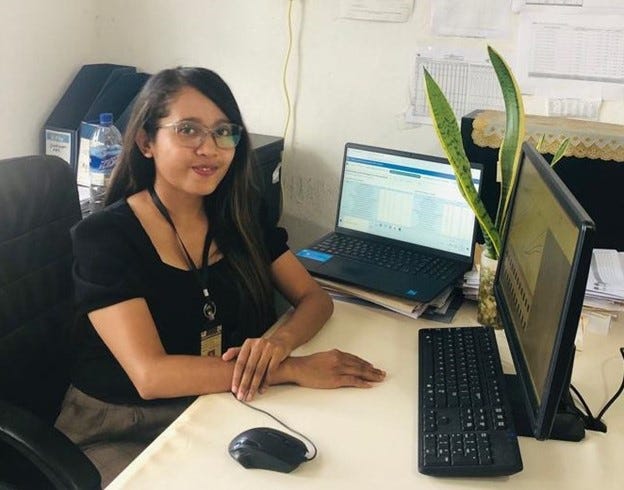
(449, 134)
(447, 129)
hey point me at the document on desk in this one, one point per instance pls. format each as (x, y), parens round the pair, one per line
(412, 309)
(606, 275)
(604, 293)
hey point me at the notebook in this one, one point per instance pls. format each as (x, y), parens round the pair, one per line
(402, 225)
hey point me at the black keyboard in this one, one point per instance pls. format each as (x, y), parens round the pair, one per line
(388, 256)
(465, 423)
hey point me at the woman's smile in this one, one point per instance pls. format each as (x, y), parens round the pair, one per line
(205, 170)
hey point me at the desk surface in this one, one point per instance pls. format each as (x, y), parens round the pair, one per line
(367, 438)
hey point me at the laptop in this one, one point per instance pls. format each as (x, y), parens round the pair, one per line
(402, 226)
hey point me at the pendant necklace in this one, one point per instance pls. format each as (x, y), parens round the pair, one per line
(210, 308)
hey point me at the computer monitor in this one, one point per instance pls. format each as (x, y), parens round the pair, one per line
(539, 288)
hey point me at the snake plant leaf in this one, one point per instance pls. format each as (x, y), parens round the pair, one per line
(540, 143)
(560, 151)
(447, 129)
(511, 147)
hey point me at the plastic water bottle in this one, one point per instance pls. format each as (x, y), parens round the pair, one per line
(104, 150)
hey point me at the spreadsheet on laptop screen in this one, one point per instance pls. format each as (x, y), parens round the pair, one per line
(406, 198)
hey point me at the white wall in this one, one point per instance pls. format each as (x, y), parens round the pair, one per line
(42, 46)
(349, 79)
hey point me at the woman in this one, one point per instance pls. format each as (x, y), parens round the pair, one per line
(174, 279)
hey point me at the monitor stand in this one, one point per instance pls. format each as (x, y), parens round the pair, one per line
(568, 424)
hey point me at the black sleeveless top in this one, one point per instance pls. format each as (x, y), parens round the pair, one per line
(114, 260)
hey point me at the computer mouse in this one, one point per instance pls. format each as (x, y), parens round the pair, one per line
(268, 449)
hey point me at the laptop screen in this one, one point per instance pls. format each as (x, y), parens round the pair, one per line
(405, 196)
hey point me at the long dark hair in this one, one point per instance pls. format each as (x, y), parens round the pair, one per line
(233, 208)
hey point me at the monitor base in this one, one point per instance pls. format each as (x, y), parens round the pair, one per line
(568, 424)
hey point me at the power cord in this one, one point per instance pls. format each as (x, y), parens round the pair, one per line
(596, 423)
(285, 68)
(282, 424)
(289, 23)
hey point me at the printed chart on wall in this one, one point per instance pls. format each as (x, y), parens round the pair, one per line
(465, 76)
(587, 48)
(376, 10)
(471, 18)
(574, 53)
(519, 5)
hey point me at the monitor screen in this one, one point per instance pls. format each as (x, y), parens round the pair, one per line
(539, 286)
(406, 196)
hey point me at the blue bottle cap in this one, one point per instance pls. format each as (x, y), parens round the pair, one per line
(106, 118)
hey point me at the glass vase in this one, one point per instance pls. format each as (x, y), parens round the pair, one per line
(487, 312)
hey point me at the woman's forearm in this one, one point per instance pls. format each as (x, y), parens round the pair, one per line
(307, 318)
(170, 376)
(178, 375)
(328, 369)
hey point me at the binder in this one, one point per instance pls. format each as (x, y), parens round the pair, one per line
(122, 121)
(61, 129)
(116, 97)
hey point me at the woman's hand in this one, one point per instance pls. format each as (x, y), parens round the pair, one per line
(256, 359)
(334, 369)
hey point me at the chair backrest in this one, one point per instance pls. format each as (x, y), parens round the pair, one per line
(38, 206)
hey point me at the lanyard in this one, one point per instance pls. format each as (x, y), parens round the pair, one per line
(210, 308)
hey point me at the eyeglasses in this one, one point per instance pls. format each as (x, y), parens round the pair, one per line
(192, 134)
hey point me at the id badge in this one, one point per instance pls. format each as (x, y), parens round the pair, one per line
(210, 341)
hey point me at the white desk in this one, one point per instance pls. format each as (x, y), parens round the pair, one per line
(367, 438)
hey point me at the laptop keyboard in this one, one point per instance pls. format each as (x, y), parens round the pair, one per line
(465, 425)
(388, 256)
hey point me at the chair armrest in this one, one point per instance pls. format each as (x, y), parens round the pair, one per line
(53, 453)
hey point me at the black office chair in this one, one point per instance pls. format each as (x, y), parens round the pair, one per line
(38, 205)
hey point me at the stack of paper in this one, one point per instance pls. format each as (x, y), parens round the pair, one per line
(604, 293)
(605, 284)
(470, 286)
(413, 309)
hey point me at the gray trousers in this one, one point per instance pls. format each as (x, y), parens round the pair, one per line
(113, 435)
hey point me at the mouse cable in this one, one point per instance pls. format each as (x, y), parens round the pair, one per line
(595, 423)
(281, 423)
